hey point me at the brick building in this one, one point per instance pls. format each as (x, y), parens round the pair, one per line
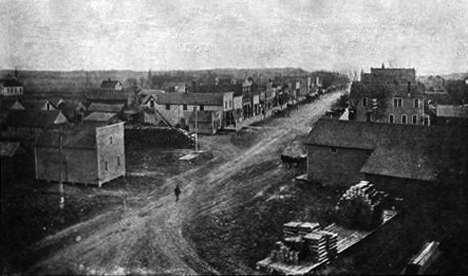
(343, 152)
(81, 154)
(388, 95)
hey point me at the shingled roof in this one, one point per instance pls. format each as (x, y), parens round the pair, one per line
(100, 117)
(408, 151)
(215, 99)
(34, 118)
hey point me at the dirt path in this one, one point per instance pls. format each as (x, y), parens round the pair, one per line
(146, 237)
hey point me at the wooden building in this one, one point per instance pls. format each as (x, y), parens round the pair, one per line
(343, 152)
(33, 121)
(206, 122)
(111, 85)
(85, 154)
(11, 87)
(177, 107)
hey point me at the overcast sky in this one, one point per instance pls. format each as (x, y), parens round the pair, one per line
(429, 35)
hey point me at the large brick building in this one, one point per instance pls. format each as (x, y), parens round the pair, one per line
(343, 152)
(388, 95)
(81, 154)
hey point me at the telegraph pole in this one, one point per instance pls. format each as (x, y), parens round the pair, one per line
(196, 129)
(62, 198)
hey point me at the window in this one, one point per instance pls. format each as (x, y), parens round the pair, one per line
(397, 102)
(391, 119)
(185, 107)
(168, 107)
(106, 166)
(415, 119)
(225, 105)
(334, 150)
(118, 161)
(364, 101)
(152, 104)
(202, 107)
(416, 103)
(47, 106)
(111, 140)
(403, 119)
(230, 103)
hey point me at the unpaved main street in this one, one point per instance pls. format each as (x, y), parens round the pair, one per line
(144, 233)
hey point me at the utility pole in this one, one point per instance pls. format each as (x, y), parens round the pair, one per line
(62, 198)
(196, 129)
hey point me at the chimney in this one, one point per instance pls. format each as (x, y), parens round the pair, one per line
(383, 66)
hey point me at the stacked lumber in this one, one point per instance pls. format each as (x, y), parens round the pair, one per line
(420, 263)
(308, 227)
(283, 253)
(317, 246)
(362, 205)
(291, 229)
(331, 243)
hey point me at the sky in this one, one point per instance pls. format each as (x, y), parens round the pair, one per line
(428, 35)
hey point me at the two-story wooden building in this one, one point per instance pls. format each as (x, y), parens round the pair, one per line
(388, 95)
(11, 87)
(177, 107)
(85, 154)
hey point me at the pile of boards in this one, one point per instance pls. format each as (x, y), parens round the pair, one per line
(361, 206)
(305, 241)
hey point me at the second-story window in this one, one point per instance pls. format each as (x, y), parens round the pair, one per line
(397, 102)
(185, 107)
(202, 107)
(364, 101)
(416, 103)
(415, 119)
(168, 107)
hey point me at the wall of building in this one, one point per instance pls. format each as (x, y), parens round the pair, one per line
(11, 91)
(335, 168)
(77, 165)
(111, 152)
(408, 189)
(407, 109)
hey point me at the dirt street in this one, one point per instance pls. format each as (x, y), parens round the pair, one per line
(144, 234)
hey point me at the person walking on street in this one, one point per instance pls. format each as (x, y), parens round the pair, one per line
(177, 192)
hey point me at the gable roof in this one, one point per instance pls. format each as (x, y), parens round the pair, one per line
(78, 136)
(11, 83)
(147, 98)
(408, 151)
(35, 104)
(100, 117)
(34, 118)
(106, 107)
(215, 99)
(401, 162)
(7, 103)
